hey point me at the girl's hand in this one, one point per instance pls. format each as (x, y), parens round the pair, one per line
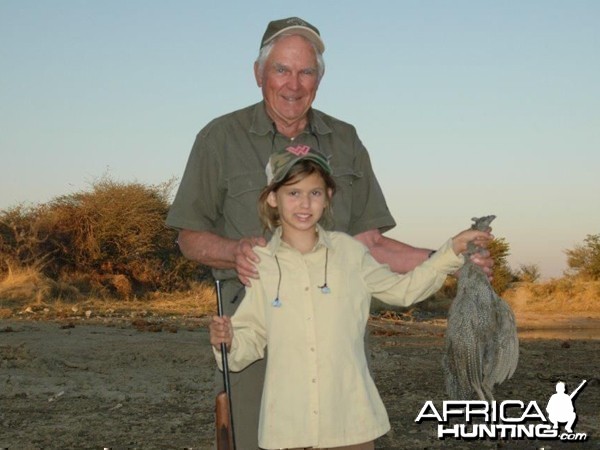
(479, 238)
(221, 332)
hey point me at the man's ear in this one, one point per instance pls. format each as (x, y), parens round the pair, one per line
(257, 75)
(272, 199)
(329, 195)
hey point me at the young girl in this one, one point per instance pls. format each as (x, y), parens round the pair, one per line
(310, 308)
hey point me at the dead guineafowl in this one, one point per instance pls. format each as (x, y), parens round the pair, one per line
(482, 348)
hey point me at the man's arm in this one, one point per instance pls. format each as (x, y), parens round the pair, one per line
(402, 257)
(222, 253)
(399, 256)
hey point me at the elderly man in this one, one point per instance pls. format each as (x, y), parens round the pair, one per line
(215, 208)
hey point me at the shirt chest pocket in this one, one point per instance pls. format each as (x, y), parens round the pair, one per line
(241, 203)
(346, 180)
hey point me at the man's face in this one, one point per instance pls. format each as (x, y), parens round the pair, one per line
(289, 80)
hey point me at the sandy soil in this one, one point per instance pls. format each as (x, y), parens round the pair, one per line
(148, 383)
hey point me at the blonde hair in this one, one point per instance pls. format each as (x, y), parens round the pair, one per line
(269, 216)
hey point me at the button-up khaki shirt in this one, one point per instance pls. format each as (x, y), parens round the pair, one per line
(318, 391)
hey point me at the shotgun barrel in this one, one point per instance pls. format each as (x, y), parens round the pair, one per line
(223, 418)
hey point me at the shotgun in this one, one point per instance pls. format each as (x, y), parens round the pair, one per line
(224, 420)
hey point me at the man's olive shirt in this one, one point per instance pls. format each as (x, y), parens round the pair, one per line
(225, 173)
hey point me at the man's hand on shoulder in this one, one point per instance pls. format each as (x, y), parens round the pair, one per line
(246, 258)
(222, 253)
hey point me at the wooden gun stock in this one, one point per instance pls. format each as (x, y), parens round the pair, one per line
(223, 422)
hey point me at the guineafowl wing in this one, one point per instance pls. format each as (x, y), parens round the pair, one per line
(507, 355)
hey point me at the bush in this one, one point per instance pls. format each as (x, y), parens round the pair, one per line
(584, 260)
(112, 239)
(528, 273)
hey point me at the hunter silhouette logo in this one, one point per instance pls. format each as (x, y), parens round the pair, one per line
(560, 407)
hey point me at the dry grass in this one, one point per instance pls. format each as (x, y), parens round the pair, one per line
(30, 285)
(28, 293)
(562, 295)
(567, 295)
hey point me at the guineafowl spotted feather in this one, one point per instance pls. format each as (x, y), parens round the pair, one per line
(482, 348)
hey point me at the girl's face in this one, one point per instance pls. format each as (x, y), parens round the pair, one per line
(301, 204)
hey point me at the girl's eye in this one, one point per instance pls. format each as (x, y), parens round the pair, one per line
(317, 193)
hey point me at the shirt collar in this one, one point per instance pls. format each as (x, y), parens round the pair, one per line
(263, 125)
(275, 244)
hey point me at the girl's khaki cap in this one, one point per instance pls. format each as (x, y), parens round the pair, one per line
(282, 161)
(293, 25)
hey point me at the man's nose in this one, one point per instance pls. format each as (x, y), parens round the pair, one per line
(294, 81)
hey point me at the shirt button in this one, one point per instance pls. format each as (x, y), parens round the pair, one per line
(306, 288)
(312, 349)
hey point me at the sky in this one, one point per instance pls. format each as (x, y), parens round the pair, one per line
(468, 108)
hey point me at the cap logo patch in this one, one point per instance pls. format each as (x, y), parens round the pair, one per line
(299, 150)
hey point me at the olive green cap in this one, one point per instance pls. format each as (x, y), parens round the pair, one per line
(293, 25)
(282, 161)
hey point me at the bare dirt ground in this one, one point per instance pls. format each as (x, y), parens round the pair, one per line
(149, 382)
